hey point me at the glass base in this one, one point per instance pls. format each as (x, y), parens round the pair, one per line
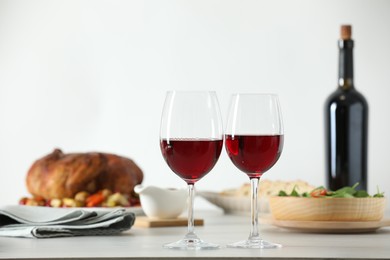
(254, 243)
(191, 244)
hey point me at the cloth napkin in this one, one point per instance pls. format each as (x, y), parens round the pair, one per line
(45, 222)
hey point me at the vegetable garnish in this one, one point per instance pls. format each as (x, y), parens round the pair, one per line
(322, 192)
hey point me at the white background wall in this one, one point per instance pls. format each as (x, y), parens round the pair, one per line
(92, 75)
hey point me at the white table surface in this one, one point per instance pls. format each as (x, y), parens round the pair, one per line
(146, 243)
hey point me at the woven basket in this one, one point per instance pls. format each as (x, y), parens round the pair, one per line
(327, 209)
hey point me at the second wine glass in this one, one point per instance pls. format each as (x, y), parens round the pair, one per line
(191, 140)
(254, 142)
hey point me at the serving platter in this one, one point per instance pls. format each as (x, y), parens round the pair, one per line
(235, 205)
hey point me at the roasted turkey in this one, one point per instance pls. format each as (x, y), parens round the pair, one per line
(59, 175)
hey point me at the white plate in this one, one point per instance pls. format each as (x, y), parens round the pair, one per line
(136, 210)
(238, 205)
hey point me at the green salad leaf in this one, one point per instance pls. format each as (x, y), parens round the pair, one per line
(322, 192)
(378, 194)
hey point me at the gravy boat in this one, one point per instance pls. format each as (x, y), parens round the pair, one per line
(163, 203)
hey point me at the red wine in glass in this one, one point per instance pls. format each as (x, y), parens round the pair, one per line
(254, 141)
(191, 140)
(254, 154)
(191, 159)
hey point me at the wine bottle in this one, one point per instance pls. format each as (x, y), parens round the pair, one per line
(346, 124)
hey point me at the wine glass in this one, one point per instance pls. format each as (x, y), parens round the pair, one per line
(254, 142)
(191, 140)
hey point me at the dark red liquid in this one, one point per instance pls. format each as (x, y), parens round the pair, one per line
(191, 159)
(254, 154)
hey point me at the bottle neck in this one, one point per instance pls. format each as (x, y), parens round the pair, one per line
(346, 64)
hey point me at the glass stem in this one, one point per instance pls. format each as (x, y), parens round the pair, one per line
(191, 195)
(254, 209)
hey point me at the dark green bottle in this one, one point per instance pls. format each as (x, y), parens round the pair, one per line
(346, 124)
